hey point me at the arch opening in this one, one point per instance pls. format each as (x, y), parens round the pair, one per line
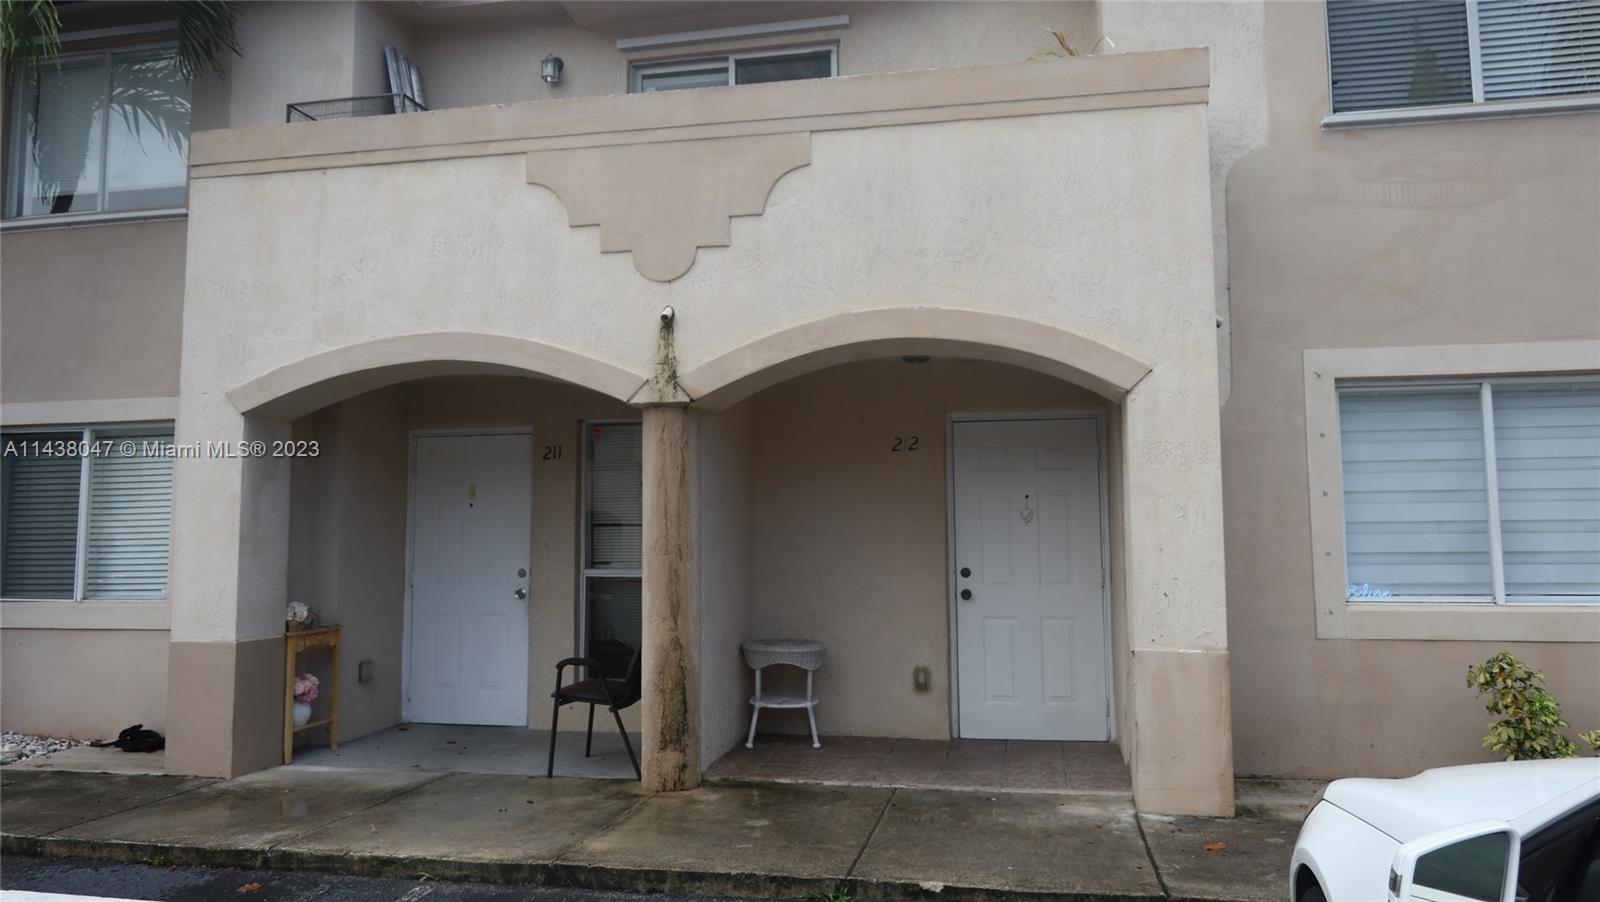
(916, 331)
(314, 382)
(837, 502)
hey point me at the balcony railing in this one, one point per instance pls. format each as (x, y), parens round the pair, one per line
(353, 107)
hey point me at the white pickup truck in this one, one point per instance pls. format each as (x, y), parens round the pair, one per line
(1513, 831)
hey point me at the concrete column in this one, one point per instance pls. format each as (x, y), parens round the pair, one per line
(1180, 737)
(228, 584)
(670, 710)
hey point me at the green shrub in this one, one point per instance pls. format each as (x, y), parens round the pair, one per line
(1529, 723)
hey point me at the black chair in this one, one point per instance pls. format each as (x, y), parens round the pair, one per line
(598, 689)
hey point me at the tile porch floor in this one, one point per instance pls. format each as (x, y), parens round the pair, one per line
(979, 764)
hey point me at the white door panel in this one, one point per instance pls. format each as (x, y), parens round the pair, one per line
(470, 540)
(1030, 639)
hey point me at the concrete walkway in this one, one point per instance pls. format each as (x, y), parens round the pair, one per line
(751, 840)
(479, 750)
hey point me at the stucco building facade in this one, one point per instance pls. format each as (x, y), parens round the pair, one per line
(1018, 380)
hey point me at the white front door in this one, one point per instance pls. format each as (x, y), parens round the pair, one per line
(1030, 611)
(471, 516)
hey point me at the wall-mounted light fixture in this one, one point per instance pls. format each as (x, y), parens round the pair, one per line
(550, 69)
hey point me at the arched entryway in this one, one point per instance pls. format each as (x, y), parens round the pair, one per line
(428, 493)
(800, 523)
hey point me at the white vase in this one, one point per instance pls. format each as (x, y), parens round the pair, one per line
(302, 713)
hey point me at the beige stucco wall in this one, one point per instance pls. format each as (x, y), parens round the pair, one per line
(358, 266)
(471, 62)
(1474, 232)
(289, 52)
(347, 549)
(727, 574)
(851, 540)
(1236, 116)
(91, 313)
(116, 678)
(412, 239)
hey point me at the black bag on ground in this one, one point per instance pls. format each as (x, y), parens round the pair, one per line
(135, 739)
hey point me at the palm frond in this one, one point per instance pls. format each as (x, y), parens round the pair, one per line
(207, 29)
(30, 33)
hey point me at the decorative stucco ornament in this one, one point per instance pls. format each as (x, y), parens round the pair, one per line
(663, 201)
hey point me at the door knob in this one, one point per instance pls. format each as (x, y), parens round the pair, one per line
(966, 594)
(966, 572)
(521, 593)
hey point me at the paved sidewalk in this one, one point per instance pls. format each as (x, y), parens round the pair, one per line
(752, 840)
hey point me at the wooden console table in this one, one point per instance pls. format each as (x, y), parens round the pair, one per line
(294, 643)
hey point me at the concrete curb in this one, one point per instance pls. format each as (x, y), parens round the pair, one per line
(533, 873)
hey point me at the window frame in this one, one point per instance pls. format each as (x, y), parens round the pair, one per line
(1338, 617)
(586, 572)
(1491, 483)
(16, 149)
(85, 491)
(637, 71)
(1477, 108)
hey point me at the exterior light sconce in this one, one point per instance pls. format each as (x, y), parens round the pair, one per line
(550, 69)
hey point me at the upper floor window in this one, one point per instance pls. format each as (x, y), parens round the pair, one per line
(100, 133)
(1472, 491)
(1408, 53)
(85, 513)
(736, 69)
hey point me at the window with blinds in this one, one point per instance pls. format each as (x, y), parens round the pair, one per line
(101, 132)
(1484, 491)
(789, 64)
(1384, 55)
(613, 536)
(40, 476)
(87, 514)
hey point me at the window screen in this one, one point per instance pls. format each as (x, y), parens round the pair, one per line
(1547, 445)
(1434, 508)
(616, 497)
(1536, 48)
(1398, 54)
(39, 557)
(119, 550)
(614, 611)
(1415, 497)
(101, 132)
(1420, 52)
(130, 517)
(737, 68)
(676, 79)
(147, 132)
(615, 542)
(759, 69)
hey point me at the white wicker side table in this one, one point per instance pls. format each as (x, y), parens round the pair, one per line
(805, 654)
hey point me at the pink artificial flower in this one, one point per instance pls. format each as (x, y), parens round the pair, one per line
(305, 688)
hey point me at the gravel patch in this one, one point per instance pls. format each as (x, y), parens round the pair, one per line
(16, 747)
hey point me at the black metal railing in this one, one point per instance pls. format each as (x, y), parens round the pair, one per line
(352, 107)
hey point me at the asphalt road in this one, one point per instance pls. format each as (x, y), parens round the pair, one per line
(78, 877)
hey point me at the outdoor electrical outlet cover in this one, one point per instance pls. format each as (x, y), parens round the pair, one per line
(366, 671)
(920, 677)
